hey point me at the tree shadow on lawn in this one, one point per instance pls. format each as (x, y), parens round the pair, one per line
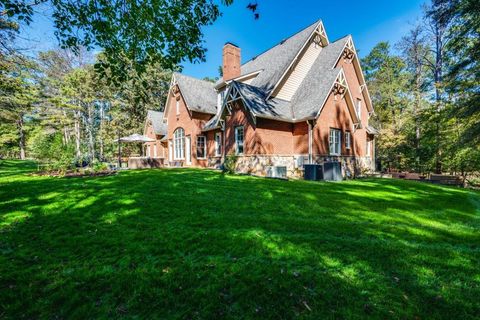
(198, 244)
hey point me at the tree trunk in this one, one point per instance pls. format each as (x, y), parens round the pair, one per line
(66, 131)
(438, 82)
(91, 143)
(78, 151)
(21, 137)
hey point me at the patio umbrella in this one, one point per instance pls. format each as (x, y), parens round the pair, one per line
(135, 138)
(131, 138)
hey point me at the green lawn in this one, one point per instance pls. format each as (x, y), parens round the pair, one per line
(196, 244)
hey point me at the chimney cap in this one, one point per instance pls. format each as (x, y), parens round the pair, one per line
(230, 43)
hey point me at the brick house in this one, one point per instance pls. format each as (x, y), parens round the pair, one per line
(303, 101)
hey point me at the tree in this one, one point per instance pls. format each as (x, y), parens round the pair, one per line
(144, 32)
(18, 93)
(463, 76)
(415, 50)
(387, 82)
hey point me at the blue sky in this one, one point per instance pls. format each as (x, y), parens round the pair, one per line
(368, 21)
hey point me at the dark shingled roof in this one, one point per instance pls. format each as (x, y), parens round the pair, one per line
(309, 97)
(307, 100)
(200, 95)
(156, 117)
(275, 61)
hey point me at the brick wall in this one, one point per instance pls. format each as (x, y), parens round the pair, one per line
(150, 146)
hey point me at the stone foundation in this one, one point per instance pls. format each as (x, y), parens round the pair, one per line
(257, 164)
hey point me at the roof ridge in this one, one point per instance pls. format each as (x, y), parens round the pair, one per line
(194, 78)
(341, 38)
(282, 41)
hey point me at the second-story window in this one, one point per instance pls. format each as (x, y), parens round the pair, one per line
(358, 108)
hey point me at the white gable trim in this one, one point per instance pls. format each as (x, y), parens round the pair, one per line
(359, 72)
(239, 79)
(340, 80)
(322, 32)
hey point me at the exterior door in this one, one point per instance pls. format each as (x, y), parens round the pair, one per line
(188, 150)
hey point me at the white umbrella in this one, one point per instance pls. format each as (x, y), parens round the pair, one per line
(131, 138)
(135, 138)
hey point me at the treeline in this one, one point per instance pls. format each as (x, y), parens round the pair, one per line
(68, 108)
(425, 90)
(57, 109)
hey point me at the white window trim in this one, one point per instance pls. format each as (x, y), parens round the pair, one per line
(182, 150)
(359, 109)
(337, 141)
(369, 148)
(204, 147)
(348, 140)
(236, 140)
(218, 143)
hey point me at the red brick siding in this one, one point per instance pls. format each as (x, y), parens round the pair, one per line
(161, 152)
(360, 135)
(191, 122)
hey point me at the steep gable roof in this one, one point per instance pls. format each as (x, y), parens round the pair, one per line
(199, 95)
(316, 86)
(274, 62)
(156, 118)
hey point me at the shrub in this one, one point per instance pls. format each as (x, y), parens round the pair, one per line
(230, 164)
(48, 147)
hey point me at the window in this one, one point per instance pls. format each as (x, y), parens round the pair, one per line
(178, 106)
(369, 148)
(239, 140)
(358, 108)
(348, 140)
(218, 144)
(201, 147)
(179, 144)
(335, 142)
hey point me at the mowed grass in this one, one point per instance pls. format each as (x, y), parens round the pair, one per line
(196, 244)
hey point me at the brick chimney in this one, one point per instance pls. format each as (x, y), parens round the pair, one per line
(231, 61)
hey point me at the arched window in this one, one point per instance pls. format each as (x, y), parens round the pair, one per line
(179, 144)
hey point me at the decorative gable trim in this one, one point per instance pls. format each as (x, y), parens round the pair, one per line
(232, 95)
(341, 89)
(350, 53)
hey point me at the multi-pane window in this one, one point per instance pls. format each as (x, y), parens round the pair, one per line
(335, 142)
(179, 144)
(239, 140)
(201, 147)
(348, 140)
(218, 144)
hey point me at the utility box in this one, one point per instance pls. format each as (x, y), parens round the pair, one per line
(313, 172)
(332, 171)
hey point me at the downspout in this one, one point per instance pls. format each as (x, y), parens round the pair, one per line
(310, 142)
